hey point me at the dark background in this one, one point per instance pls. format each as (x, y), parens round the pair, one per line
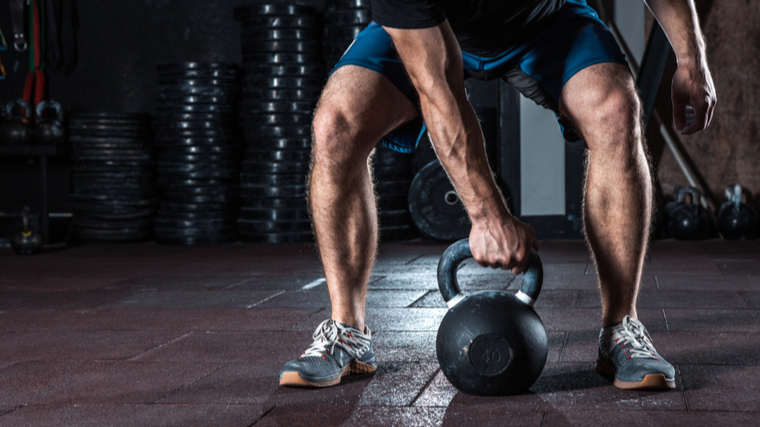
(119, 45)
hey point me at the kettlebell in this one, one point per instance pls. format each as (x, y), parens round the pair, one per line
(50, 130)
(17, 128)
(27, 242)
(737, 220)
(490, 343)
(687, 220)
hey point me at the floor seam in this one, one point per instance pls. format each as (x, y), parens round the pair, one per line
(414, 259)
(419, 299)
(564, 345)
(265, 299)
(191, 382)
(133, 358)
(543, 416)
(741, 294)
(263, 415)
(683, 393)
(667, 327)
(427, 384)
(14, 409)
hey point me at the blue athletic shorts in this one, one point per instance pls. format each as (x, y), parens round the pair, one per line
(538, 65)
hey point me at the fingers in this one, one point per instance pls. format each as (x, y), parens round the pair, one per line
(679, 112)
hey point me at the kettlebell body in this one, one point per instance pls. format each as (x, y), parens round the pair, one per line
(16, 130)
(50, 131)
(737, 220)
(27, 242)
(687, 221)
(490, 343)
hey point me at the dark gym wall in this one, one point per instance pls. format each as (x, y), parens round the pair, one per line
(119, 45)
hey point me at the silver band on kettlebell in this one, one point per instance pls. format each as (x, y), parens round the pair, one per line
(456, 300)
(525, 298)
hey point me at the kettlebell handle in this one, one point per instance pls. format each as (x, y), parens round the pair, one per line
(734, 195)
(22, 104)
(50, 105)
(25, 223)
(696, 196)
(533, 276)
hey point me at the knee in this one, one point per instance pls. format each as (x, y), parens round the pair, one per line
(332, 135)
(615, 125)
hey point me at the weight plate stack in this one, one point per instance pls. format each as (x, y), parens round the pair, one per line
(435, 207)
(344, 20)
(114, 196)
(393, 176)
(284, 76)
(199, 152)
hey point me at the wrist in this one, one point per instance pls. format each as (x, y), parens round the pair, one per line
(489, 210)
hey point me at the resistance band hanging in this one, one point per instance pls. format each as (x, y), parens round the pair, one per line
(34, 89)
(3, 48)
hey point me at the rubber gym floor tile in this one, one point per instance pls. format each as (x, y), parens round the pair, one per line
(404, 346)
(387, 319)
(135, 415)
(747, 321)
(286, 282)
(321, 298)
(41, 282)
(719, 348)
(207, 283)
(582, 346)
(146, 319)
(590, 319)
(61, 345)
(574, 385)
(672, 282)
(161, 299)
(438, 393)
(296, 415)
(649, 418)
(397, 383)
(693, 299)
(368, 416)
(721, 388)
(685, 267)
(752, 298)
(406, 281)
(233, 383)
(347, 393)
(485, 416)
(224, 347)
(95, 382)
(554, 282)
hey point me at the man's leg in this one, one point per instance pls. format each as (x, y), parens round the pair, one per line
(357, 108)
(603, 103)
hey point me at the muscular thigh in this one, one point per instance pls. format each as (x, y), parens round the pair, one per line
(363, 105)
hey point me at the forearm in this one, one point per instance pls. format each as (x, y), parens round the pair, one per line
(433, 61)
(680, 22)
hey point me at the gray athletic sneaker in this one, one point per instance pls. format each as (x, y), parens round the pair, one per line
(626, 350)
(337, 350)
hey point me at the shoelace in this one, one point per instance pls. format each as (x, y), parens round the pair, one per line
(329, 334)
(634, 338)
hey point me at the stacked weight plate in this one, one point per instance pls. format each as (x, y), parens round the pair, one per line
(199, 152)
(283, 79)
(393, 176)
(114, 197)
(435, 206)
(344, 19)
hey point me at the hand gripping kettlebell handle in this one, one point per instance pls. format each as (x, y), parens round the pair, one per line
(533, 276)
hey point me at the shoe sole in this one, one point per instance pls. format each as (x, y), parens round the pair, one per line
(293, 378)
(650, 381)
